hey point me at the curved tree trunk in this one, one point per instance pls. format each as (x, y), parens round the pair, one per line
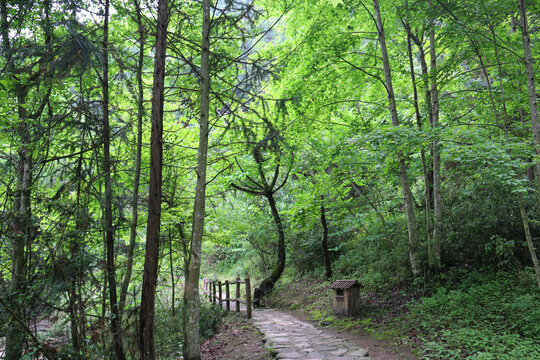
(268, 283)
(268, 189)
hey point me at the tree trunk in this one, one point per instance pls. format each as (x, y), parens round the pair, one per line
(173, 280)
(74, 297)
(108, 223)
(429, 180)
(425, 171)
(528, 237)
(407, 195)
(21, 234)
(268, 283)
(135, 202)
(529, 69)
(437, 206)
(324, 244)
(22, 227)
(192, 348)
(501, 83)
(146, 334)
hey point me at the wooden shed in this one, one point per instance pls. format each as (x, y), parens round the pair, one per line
(346, 297)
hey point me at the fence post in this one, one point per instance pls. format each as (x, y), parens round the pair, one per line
(227, 296)
(220, 295)
(209, 290)
(237, 294)
(248, 298)
(214, 292)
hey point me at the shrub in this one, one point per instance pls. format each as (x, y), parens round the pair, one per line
(379, 259)
(169, 336)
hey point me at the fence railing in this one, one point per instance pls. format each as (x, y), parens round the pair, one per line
(213, 291)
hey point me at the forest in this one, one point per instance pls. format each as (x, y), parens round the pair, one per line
(146, 145)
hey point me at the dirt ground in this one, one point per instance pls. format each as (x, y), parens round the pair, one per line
(237, 339)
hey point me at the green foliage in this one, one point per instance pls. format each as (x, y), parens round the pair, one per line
(483, 226)
(484, 316)
(376, 259)
(312, 87)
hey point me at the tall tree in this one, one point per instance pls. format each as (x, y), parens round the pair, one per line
(435, 146)
(146, 323)
(138, 156)
(531, 87)
(21, 230)
(405, 187)
(108, 218)
(427, 173)
(192, 350)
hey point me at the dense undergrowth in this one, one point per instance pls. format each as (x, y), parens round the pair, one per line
(484, 315)
(462, 314)
(169, 334)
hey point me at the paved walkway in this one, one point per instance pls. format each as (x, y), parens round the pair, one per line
(290, 338)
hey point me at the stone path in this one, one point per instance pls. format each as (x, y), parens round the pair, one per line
(290, 338)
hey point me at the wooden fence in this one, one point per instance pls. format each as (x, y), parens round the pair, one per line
(213, 291)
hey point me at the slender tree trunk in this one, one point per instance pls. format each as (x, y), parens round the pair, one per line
(22, 227)
(528, 237)
(104, 339)
(108, 224)
(146, 341)
(192, 348)
(324, 244)
(135, 202)
(268, 283)
(74, 252)
(21, 234)
(501, 87)
(529, 69)
(73, 313)
(407, 195)
(429, 165)
(437, 205)
(425, 171)
(173, 281)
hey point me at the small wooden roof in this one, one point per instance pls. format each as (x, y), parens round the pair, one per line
(344, 284)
